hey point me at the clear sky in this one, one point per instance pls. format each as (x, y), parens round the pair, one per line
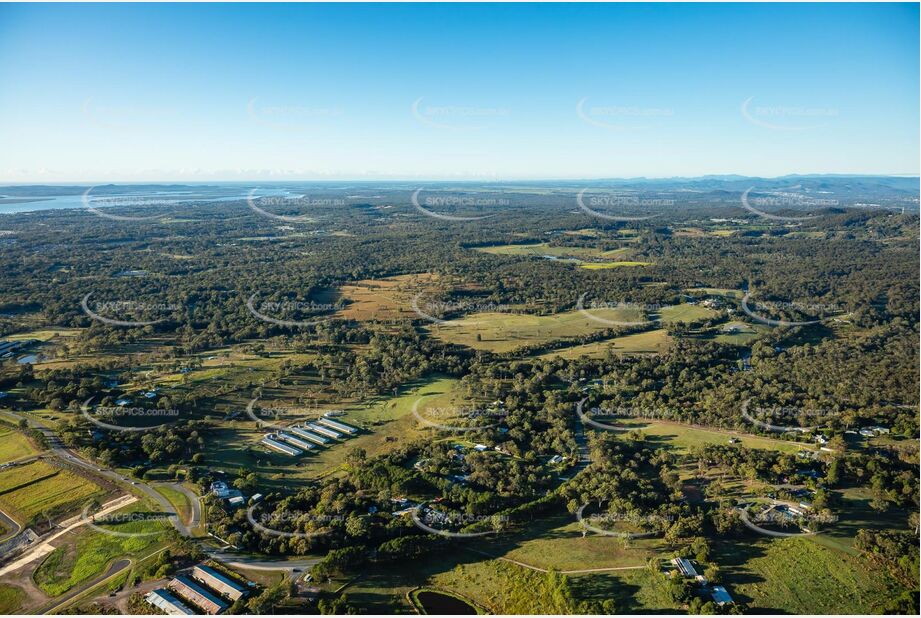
(240, 92)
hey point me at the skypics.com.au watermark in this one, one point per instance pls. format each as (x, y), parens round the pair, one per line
(600, 523)
(619, 202)
(455, 202)
(455, 117)
(123, 307)
(786, 117)
(621, 117)
(617, 308)
(124, 520)
(442, 523)
(126, 412)
(287, 306)
(291, 117)
(771, 418)
(272, 416)
(429, 309)
(98, 204)
(260, 204)
(264, 522)
(472, 418)
(779, 306)
(784, 200)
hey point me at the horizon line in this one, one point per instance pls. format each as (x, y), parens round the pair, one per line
(450, 179)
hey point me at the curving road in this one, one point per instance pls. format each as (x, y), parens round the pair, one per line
(236, 560)
(743, 515)
(116, 568)
(11, 525)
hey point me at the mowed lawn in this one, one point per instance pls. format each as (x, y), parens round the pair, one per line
(505, 332)
(37, 489)
(14, 445)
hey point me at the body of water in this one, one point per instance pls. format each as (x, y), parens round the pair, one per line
(218, 193)
(437, 603)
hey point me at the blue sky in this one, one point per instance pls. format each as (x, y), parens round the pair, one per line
(234, 92)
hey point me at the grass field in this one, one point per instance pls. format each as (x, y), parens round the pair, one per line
(742, 333)
(387, 422)
(14, 445)
(87, 553)
(556, 542)
(504, 332)
(381, 299)
(541, 249)
(648, 342)
(178, 499)
(800, 576)
(11, 598)
(31, 491)
(680, 437)
(718, 292)
(684, 313)
(606, 265)
(46, 334)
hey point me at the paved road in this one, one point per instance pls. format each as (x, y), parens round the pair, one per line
(194, 504)
(116, 568)
(12, 526)
(743, 515)
(581, 441)
(238, 560)
(43, 547)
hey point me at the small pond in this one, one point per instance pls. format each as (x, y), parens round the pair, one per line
(437, 603)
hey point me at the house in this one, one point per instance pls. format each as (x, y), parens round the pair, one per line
(166, 602)
(720, 596)
(480, 447)
(197, 595)
(236, 501)
(219, 582)
(557, 459)
(122, 402)
(256, 498)
(220, 489)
